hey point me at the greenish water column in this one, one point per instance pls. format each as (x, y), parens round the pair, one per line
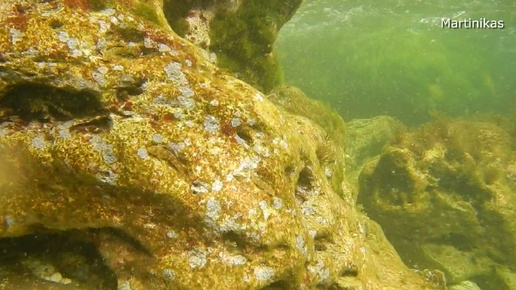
(369, 58)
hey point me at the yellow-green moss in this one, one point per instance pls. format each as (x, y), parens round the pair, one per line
(102, 4)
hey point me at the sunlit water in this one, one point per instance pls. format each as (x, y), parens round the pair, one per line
(370, 58)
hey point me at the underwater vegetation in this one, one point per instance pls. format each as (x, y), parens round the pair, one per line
(152, 168)
(444, 195)
(240, 33)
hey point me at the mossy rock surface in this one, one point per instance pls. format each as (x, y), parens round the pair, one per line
(240, 33)
(444, 193)
(151, 168)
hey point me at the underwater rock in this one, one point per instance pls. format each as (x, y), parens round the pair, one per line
(129, 161)
(444, 195)
(330, 150)
(366, 139)
(239, 34)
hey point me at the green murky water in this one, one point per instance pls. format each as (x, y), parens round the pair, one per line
(370, 58)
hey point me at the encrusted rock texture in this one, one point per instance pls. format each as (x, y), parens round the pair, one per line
(445, 196)
(130, 161)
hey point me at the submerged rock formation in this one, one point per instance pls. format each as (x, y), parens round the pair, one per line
(129, 161)
(239, 34)
(444, 195)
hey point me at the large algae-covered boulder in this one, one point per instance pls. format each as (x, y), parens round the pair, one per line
(239, 34)
(444, 195)
(129, 161)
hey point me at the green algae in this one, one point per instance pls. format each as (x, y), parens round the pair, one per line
(242, 37)
(98, 5)
(147, 12)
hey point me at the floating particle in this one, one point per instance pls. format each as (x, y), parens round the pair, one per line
(263, 273)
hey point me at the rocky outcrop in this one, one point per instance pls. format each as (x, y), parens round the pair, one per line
(128, 160)
(239, 34)
(444, 195)
(366, 140)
